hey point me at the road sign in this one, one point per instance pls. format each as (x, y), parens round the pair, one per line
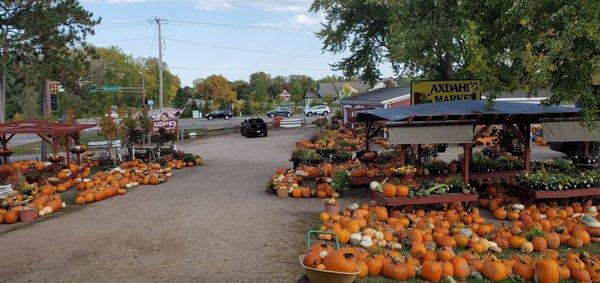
(111, 88)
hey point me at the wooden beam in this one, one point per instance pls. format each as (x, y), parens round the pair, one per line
(374, 133)
(367, 131)
(517, 133)
(466, 161)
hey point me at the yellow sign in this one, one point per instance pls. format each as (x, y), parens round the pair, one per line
(441, 91)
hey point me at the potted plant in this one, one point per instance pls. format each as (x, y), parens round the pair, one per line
(340, 182)
(305, 156)
(341, 156)
(332, 206)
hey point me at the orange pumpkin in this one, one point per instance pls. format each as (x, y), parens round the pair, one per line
(431, 271)
(547, 270)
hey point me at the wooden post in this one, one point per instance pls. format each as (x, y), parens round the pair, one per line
(466, 160)
(67, 152)
(527, 136)
(419, 154)
(586, 148)
(367, 133)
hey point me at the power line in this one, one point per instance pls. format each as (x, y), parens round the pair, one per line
(122, 40)
(274, 53)
(236, 26)
(247, 69)
(123, 26)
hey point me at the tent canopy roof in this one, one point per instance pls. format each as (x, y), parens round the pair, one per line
(470, 110)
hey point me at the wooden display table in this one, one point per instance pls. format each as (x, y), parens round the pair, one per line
(529, 195)
(424, 200)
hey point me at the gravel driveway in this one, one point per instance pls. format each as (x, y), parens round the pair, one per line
(212, 223)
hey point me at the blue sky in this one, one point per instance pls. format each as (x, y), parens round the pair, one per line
(125, 24)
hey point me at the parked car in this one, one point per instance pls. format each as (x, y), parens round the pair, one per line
(574, 149)
(317, 110)
(225, 114)
(253, 127)
(280, 111)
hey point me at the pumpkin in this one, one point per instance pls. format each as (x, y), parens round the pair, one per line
(580, 275)
(575, 242)
(446, 241)
(500, 214)
(89, 197)
(80, 200)
(574, 263)
(341, 261)
(547, 271)
(431, 271)
(552, 240)
(523, 270)
(374, 264)
(10, 217)
(461, 267)
(394, 271)
(305, 192)
(516, 241)
(539, 244)
(494, 270)
(513, 216)
(526, 247)
(402, 191)
(564, 273)
(418, 250)
(321, 194)
(415, 235)
(381, 212)
(389, 190)
(312, 259)
(343, 236)
(364, 269)
(445, 254)
(121, 191)
(461, 240)
(296, 192)
(582, 234)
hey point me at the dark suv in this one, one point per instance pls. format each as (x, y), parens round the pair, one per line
(280, 111)
(253, 127)
(225, 114)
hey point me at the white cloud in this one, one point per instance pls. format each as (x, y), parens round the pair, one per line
(294, 6)
(306, 20)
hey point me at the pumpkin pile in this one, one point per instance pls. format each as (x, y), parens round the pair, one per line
(289, 182)
(457, 243)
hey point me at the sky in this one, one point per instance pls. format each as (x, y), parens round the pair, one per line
(205, 37)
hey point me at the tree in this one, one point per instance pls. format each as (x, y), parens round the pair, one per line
(259, 85)
(217, 88)
(40, 35)
(242, 89)
(507, 45)
(361, 26)
(347, 91)
(278, 85)
(182, 98)
(300, 85)
(108, 129)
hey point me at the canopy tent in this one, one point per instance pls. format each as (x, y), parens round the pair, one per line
(455, 121)
(469, 111)
(49, 132)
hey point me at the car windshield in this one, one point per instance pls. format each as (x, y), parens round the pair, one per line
(254, 121)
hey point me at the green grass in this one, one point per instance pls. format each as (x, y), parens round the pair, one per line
(34, 147)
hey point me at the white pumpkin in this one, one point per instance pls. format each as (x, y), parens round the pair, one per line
(374, 185)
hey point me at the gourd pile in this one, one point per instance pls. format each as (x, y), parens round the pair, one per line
(44, 197)
(457, 244)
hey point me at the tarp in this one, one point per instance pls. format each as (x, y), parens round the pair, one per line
(431, 134)
(463, 107)
(568, 131)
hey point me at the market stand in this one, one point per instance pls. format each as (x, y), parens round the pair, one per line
(49, 132)
(456, 121)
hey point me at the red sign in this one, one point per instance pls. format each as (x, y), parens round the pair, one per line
(170, 125)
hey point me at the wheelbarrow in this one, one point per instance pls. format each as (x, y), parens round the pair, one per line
(325, 276)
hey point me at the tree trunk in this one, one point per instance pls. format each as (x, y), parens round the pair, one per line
(46, 111)
(446, 69)
(3, 96)
(108, 148)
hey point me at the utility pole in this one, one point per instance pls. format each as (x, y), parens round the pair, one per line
(160, 64)
(143, 90)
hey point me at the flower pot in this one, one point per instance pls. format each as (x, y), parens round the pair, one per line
(26, 215)
(332, 208)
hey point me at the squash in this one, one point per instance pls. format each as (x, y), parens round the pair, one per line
(547, 271)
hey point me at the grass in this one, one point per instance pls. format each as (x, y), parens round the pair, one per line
(34, 147)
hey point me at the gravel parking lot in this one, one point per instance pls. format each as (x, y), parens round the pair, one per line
(213, 223)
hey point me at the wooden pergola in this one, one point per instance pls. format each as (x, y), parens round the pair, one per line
(48, 132)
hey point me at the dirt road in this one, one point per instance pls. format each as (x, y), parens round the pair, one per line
(211, 223)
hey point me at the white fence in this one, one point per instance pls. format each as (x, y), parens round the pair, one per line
(291, 123)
